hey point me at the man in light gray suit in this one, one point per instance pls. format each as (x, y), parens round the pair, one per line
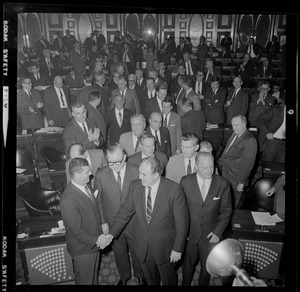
(172, 121)
(184, 163)
(130, 140)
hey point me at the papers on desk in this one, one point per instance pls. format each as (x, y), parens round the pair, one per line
(20, 170)
(211, 126)
(49, 129)
(265, 218)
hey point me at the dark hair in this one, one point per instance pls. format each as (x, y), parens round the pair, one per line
(94, 95)
(114, 147)
(155, 163)
(187, 102)
(170, 100)
(81, 148)
(76, 165)
(190, 136)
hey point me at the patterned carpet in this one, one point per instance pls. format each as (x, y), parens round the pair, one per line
(109, 274)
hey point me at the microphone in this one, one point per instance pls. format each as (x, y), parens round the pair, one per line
(225, 259)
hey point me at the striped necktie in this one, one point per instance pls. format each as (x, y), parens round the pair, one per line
(149, 206)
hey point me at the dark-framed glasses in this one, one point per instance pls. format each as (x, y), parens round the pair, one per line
(117, 163)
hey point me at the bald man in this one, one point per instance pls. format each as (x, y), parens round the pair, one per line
(57, 103)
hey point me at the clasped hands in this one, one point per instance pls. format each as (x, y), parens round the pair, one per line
(104, 240)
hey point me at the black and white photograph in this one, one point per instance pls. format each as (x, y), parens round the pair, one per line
(90, 200)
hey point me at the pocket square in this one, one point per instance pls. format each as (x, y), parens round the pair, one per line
(173, 125)
(216, 198)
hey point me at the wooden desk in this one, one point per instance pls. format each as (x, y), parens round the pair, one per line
(262, 245)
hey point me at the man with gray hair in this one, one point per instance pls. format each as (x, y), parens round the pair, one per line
(130, 140)
(57, 103)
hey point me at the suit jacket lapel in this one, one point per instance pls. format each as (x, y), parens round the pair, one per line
(159, 198)
(195, 186)
(210, 191)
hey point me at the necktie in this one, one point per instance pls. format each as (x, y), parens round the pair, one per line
(149, 206)
(199, 88)
(62, 98)
(157, 145)
(119, 180)
(29, 93)
(203, 190)
(120, 118)
(187, 68)
(233, 95)
(231, 143)
(152, 94)
(189, 168)
(136, 146)
(84, 128)
(250, 50)
(122, 93)
(165, 121)
(207, 76)
(90, 195)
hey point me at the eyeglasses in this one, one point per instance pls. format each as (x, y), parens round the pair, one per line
(117, 163)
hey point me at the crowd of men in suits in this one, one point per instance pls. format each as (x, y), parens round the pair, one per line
(133, 140)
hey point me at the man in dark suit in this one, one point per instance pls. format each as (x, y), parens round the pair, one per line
(68, 41)
(164, 74)
(48, 64)
(201, 87)
(192, 121)
(58, 42)
(140, 80)
(255, 50)
(180, 49)
(155, 104)
(259, 102)
(183, 163)
(160, 224)
(237, 101)
(81, 129)
(157, 79)
(209, 202)
(113, 182)
(179, 95)
(265, 69)
(191, 65)
(147, 94)
(41, 45)
(245, 70)
(172, 121)
(238, 157)
(39, 80)
(271, 127)
(214, 99)
(118, 119)
(93, 113)
(202, 51)
(128, 58)
(83, 223)
(272, 48)
(57, 103)
(187, 85)
(147, 142)
(95, 158)
(29, 105)
(78, 59)
(99, 84)
(210, 71)
(161, 134)
(131, 99)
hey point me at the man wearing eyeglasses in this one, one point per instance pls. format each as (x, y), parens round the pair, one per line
(29, 105)
(113, 182)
